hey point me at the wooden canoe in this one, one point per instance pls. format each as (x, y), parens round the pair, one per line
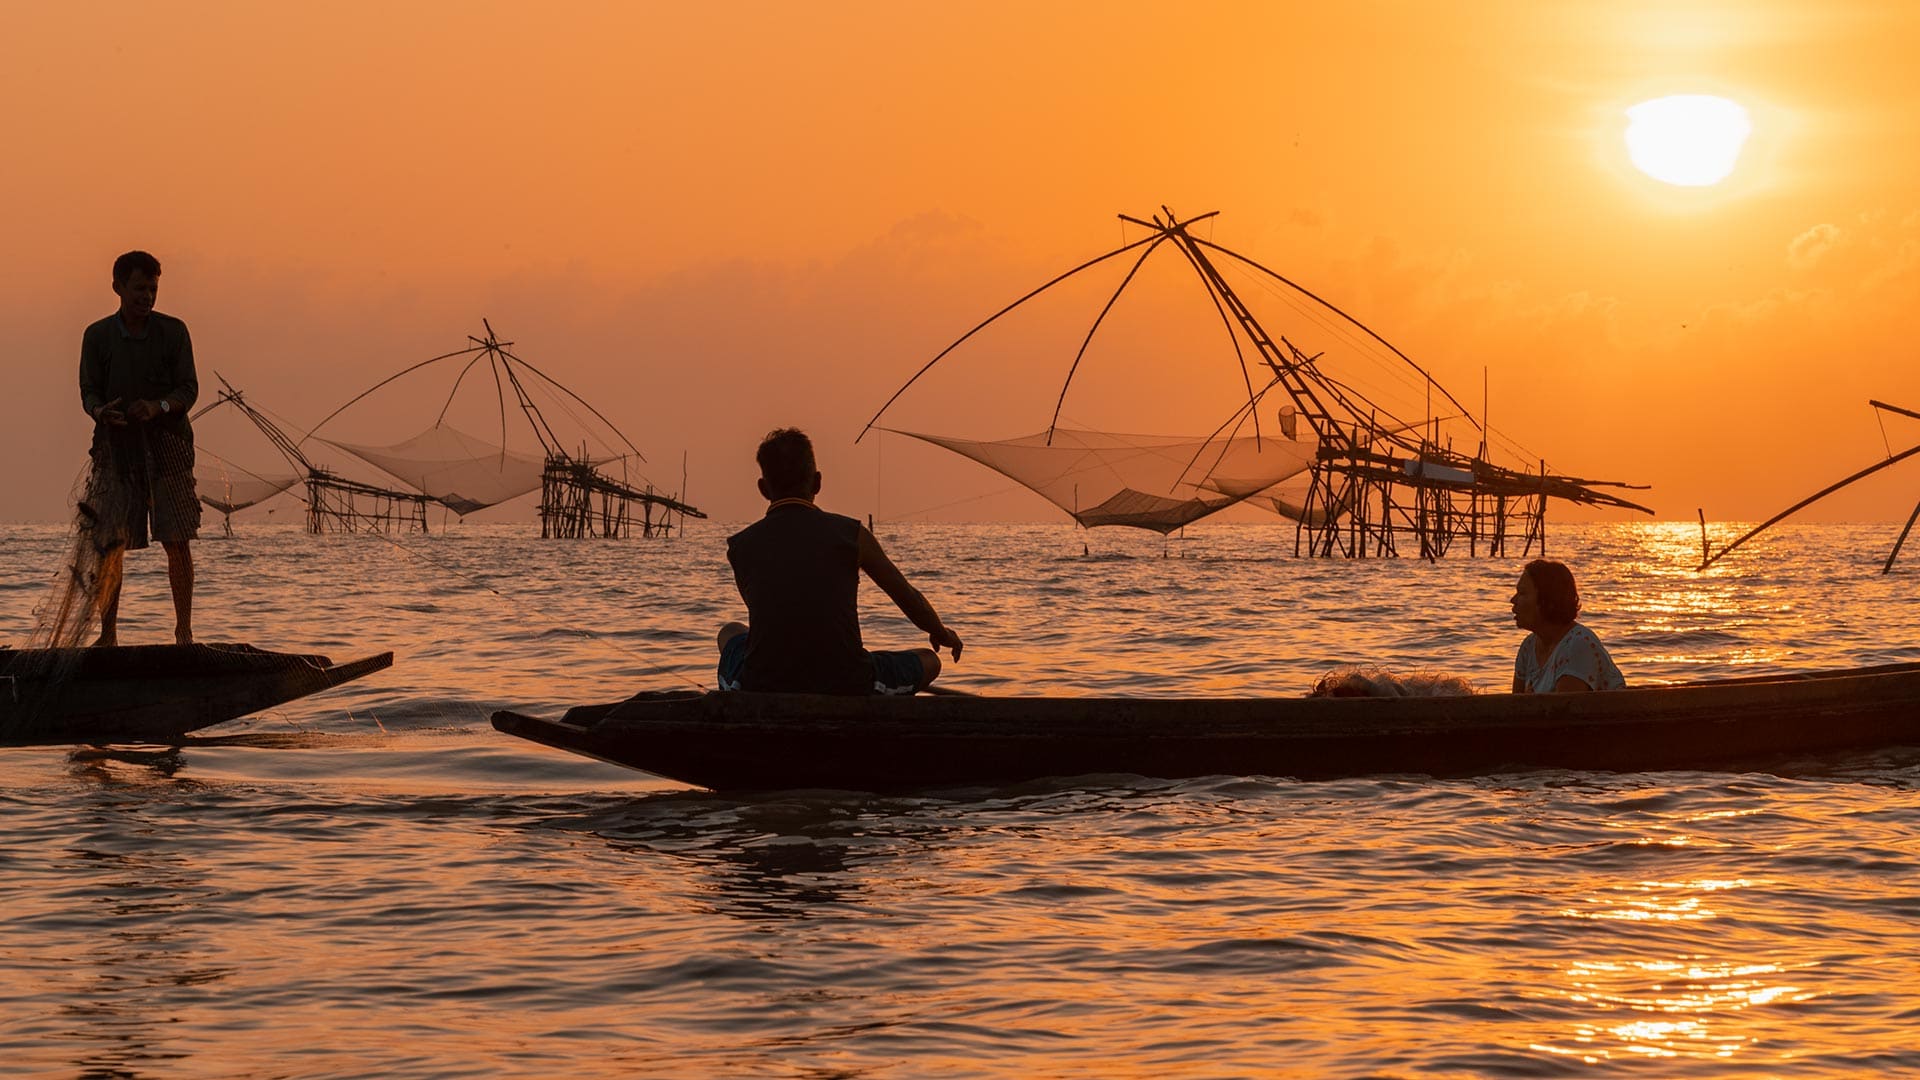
(746, 741)
(152, 693)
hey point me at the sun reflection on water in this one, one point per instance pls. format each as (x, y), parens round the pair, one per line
(1678, 1006)
(1690, 997)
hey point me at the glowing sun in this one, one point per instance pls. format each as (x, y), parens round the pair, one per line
(1692, 140)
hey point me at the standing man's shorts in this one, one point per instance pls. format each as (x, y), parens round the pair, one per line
(156, 491)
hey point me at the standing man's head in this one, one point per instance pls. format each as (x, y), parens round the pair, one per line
(136, 281)
(787, 470)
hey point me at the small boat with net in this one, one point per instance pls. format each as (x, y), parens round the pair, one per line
(58, 689)
(153, 693)
(737, 741)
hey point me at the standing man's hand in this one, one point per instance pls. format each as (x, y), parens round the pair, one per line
(947, 638)
(143, 410)
(111, 415)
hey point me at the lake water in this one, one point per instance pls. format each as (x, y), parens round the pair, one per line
(373, 883)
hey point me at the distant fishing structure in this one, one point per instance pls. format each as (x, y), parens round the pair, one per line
(229, 488)
(1375, 482)
(1708, 556)
(583, 494)
(580, 494)
(335, 504)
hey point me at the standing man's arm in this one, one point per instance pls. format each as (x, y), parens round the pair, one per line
(914, 606)
(93, 377)
(186, 382)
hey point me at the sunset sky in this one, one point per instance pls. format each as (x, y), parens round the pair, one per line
(713, 220)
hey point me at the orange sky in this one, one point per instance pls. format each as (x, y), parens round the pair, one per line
(710, 222)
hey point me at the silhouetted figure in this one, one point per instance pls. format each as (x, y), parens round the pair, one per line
(1560, 655)
(798, 568)
(137, 382)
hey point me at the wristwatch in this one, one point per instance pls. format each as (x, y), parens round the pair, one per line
(165, 406)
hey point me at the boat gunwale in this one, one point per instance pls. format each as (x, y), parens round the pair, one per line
(1720, 700)
(231, 681)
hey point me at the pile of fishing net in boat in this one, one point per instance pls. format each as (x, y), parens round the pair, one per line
(1367, 680)
(1157, 482)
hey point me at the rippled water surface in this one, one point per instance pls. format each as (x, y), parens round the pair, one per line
(373, 883)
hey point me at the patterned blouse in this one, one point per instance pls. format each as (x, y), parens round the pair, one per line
(1578, 654)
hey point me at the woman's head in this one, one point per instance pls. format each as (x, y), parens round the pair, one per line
(1546, 590)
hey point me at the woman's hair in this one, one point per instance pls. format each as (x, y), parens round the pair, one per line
(1553, 583)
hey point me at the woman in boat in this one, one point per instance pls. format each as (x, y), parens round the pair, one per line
(1560, 655)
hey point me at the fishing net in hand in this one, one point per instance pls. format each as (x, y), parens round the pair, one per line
(102, 504)
(136, 474)
(1157, 482)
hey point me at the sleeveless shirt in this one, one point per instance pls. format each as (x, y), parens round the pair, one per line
(798, 569)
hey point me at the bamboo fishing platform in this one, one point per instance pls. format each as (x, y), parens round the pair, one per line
(1379, 484)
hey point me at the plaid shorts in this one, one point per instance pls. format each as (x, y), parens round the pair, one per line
(149, 495)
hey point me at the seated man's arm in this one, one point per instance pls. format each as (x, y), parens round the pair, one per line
(914, 606)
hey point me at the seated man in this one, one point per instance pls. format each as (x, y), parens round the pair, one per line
(798, 568)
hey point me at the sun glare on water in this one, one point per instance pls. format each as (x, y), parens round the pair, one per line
(1690, 140)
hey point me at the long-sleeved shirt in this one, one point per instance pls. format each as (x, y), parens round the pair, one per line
(157, 366)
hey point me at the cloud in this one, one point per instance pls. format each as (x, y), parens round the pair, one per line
(1874, 250)
(1807, 249)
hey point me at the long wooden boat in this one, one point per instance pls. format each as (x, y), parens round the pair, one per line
(153, 693)
(744, 741)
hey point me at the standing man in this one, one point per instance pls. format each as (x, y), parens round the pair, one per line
(798, 568)
(137, 382)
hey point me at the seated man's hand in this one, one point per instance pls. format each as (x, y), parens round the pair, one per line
(947, 638)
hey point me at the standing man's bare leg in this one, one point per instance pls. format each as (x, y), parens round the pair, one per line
(111, 565)
(180, 580)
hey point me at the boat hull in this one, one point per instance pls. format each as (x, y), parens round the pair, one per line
(153, 693)
(741, 741)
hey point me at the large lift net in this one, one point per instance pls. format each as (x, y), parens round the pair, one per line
(1358, 476)
(1155, 482)
(583, 492)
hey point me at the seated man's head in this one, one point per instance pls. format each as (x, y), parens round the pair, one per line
(787, 470)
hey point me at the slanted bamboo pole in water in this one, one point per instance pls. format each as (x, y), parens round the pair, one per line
(1809, 500)
(1898, 544)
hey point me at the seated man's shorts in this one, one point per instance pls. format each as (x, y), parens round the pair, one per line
(896, 672)
(733, 657)
(893, 672)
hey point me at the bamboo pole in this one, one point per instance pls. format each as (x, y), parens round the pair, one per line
(1809, 500)
(1898, 544)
